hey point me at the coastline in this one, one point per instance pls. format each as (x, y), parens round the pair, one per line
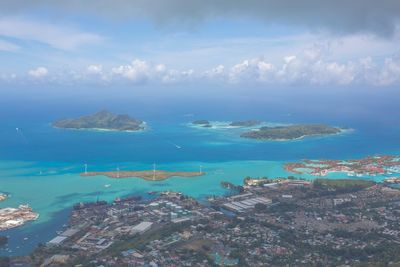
(15, 217)
(342, 131)
(144, 125)
(72, 188)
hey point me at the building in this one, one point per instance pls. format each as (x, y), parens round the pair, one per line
(141, 227)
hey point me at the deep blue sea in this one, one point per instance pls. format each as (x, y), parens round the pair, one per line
(40, 165)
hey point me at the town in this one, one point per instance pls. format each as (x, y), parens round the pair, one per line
(369, 166)
(264, 222)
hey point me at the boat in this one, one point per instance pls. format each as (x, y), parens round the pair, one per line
(107, 185)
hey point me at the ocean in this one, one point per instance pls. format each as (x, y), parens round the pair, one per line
(40, 165)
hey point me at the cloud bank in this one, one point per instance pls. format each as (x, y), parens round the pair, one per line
(38, 72)
(340, 16)
(308, 67)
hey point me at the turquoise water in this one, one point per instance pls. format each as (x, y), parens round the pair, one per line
(40, 165)
(51, 188)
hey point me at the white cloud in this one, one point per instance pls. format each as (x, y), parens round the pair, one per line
(140, 71)
(137, 71)
(390, 73)
(307, 67)
(95, 69)
(312, 67)
(216, 73)
(60, 37)
(38, 72)
(255, 69)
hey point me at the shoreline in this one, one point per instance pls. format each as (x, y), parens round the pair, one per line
(145, 128)
(342, 131)
(15, 217)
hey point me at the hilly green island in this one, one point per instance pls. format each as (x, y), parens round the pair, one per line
(102, 120)
(290, 132)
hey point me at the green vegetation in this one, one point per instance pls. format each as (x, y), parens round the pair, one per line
(140, 241)
(325, 187)
(290, 132)
(283, 207)
(102, 120)
(343, 183)
(199, 245)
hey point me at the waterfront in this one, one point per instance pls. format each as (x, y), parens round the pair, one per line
(273, 222)
(40, 165)
(54, 194)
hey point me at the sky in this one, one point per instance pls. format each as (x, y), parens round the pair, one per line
(214, 42)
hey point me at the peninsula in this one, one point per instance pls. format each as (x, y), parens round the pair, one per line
(148, 175)
(291, 132)
(103, 120)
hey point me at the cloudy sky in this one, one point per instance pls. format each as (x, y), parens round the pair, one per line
(222, 42)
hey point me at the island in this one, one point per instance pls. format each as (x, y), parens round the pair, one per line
(14, 217)
(290, 132)
(103, 120)
(203, 123)
(149, 175)
(247, 123)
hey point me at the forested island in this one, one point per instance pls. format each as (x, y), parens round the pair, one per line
(290, 132)
(103, 120)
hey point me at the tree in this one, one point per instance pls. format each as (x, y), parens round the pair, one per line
(260, 207)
